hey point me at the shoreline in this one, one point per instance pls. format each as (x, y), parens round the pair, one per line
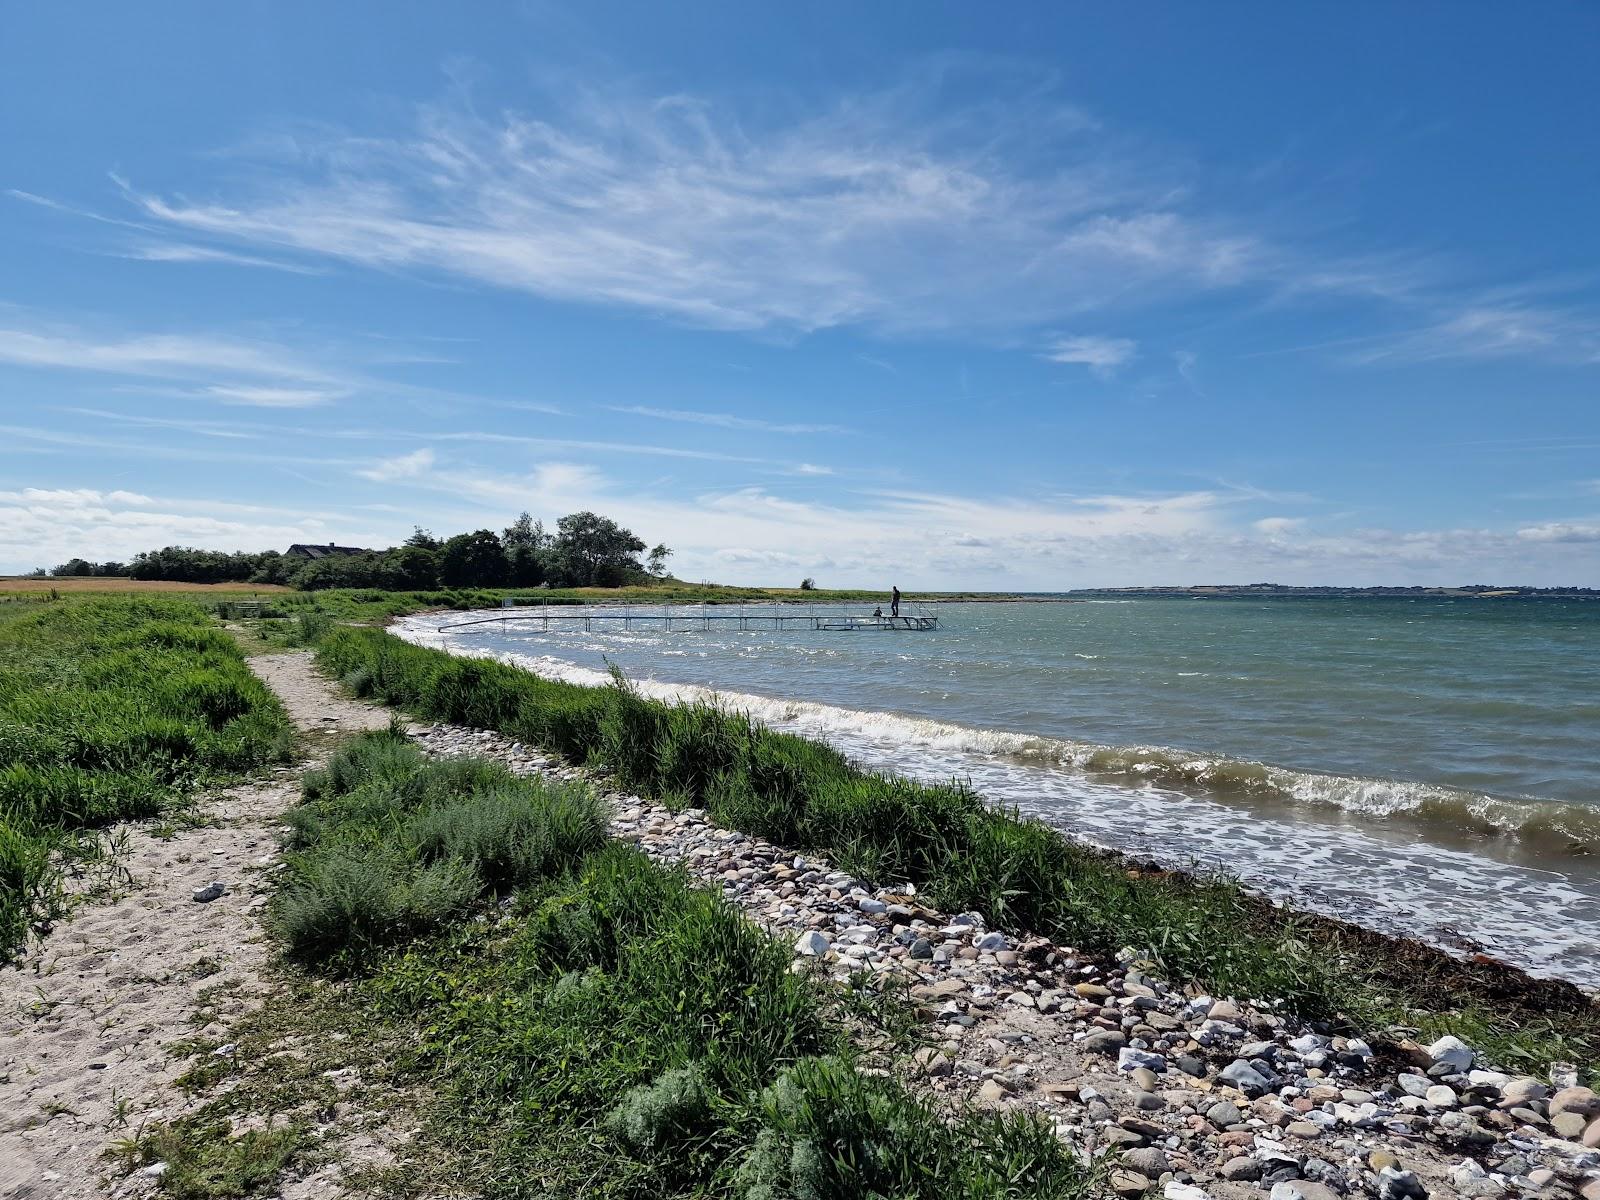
(1466, 971)
(1477, 853)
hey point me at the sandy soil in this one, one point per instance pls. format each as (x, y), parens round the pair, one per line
(85, 1017)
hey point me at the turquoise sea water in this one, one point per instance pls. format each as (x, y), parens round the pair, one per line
(1424, 765)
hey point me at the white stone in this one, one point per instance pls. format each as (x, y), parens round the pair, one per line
(811, 943)
(1440, 1096)
(1453, 1052)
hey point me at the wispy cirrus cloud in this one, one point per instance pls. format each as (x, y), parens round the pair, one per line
(178, 252)
(246, 372)
(724, 420)
(1494, 330)
(897, 212)
(1102, 355)
(876, 213)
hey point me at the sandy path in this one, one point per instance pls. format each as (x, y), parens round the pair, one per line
(85, 1017)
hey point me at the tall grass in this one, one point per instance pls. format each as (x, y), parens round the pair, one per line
(389, 846)
(620, 1032)
(965, 854)
(110, 708)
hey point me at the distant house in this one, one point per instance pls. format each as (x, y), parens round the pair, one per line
(314, 551)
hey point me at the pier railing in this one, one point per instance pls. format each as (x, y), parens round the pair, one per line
(917, 618)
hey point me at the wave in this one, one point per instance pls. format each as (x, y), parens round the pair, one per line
(1550, 827)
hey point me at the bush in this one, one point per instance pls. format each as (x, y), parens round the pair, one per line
(338, 903)
(661, 1115)
(830, 1133)
(391, 846)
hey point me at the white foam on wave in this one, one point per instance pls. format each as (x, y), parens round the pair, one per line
(1557, 827)
(1398, 884)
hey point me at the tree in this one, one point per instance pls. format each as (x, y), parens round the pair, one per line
(74, 567)
(527, 548)
(473, 560)
(808, 584)
(422, 538)
(656, 561)
(415, 568)
(595, 551)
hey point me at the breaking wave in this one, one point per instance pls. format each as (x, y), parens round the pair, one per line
(1547, 827)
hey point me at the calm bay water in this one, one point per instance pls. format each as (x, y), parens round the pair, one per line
(1425, 766)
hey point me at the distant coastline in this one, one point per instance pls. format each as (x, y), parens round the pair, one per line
(1276, 590)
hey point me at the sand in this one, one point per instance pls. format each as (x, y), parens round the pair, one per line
(85, 1017)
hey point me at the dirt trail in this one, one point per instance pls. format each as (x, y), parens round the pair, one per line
(86, 1016)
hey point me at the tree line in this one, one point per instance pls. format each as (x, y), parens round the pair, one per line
(586, 550)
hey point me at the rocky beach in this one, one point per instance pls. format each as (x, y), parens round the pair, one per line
(1185, 1095)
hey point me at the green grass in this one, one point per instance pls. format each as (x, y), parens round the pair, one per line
(389, 845)
(964, 855)
(111, 709)
(206, 1162)
(596, 1025)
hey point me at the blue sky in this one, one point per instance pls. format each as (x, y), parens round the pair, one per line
(896, 292)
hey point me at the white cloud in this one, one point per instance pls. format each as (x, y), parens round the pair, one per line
(228, 370)
(41, 527)
(724, 420)
(755, 536)
(1561, 531)
(872, 213)
(404, 466)
(179, 252)
(1494, 330)
(1102, 355)
(1278, 526)
(271, 397)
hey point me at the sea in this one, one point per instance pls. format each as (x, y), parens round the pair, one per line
(1425, 766)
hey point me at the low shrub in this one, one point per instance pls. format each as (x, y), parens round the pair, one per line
(828, 1132)
(390, 845)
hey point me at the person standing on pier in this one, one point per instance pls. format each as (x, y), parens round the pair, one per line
(894, 602)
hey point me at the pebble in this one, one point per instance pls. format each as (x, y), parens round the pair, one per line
(1452, 1052)
(1243, 1076)
(1327, 1116)
(1147, 1160)
(811, 943)
(214, 890)
(1302, 1189)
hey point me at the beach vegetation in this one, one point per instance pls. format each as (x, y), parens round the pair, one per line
(591, 1022)
(113, 709)
(964, 854)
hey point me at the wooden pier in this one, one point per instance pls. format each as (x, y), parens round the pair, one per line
(673, 618)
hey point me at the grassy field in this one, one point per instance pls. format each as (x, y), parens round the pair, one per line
(964, 855)
(27, 585)
(616, 1032)
(111, 708)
